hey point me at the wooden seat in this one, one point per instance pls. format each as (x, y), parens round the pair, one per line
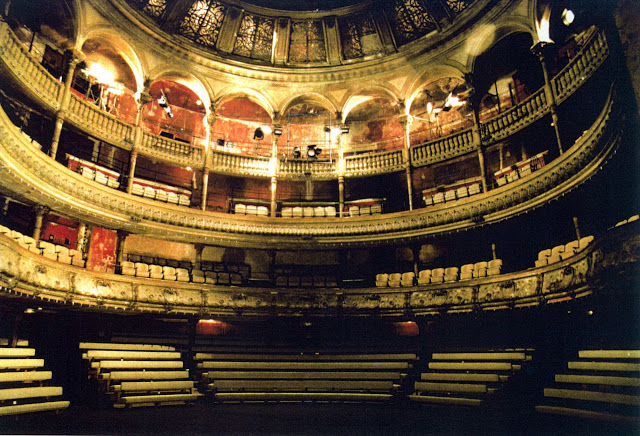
(598, 380)
(424, 277)
(137, 364)
(146, 375)
(460, 377)
(450, 387)
(394, 280)
(33, 407)
(17, 352)
(301, 375)
(301, 385)
(609, 354)
(479, 366)
(407, 279)
(466, 271)
(605, 366)
(305, 357)
(298, 366)
(123, 346)
(480, 356)
(605, 397)
(21, 363)
(25, 376)
(301, 396)
(132, 355)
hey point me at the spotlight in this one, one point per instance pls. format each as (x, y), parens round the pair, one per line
(277, 130)
(296, 153)
(311, 152)
(567, 17)
(258, 134)
(164, 104)
(344, 128)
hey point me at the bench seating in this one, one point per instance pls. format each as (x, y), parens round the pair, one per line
(603, 385)
(140, 374)
(23, 389)
(467, 378)
(264, 377)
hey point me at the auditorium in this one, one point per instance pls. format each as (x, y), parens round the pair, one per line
(321, 217)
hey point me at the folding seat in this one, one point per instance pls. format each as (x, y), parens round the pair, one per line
(307, 212)
(555, 253)
(169, 273)
(330, 211)
(480, 269)
(16, 235)
(63, 254)
(331, 281)
(319, 211)
(48, 250)
(407, 279)
(584, 242)
(101, 178)
(306, 281)
(161, 262)
(428, 200)
(319, 281)
(182, 274)
(293, 281)
(438, 198)
(376, 209)
(155, 272)
(235, 279)
(112, 182)
(88, 173)
(134, 258)
(149, 192)
(382, 280)
(223, 278)
(172, 198)
(197, 276)
(543, 258)
(161, 195)
(512, 176)
(354, 211)
(394, 280)
(218, 267)
(570, 249)
(263, 211)
(450, 195)
(466, 271)
(142, 269)
(240, 209)
(365, 210)
(4, 230)
(281, 281)
(451, 274)
(297, 212)
(287, 212)
(128, 268)
(184, 200)
(27, 241)
(424, 277)
(633, 218)
(252, 209)
(437, 275)
(76, 258)
(474, 189)
(210, 277)
(137, 189)
(462, 191)
(525, 170)
(493, 267)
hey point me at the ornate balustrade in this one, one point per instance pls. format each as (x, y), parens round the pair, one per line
(171, 150)
(24, 70)
(303, 167)
(24, 274)
(443, 148)
(583, 65)
(374, 163)
(238, 164)
(99, 123)
(30, 176)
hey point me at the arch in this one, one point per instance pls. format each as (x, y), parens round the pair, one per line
(360, 96)
(191, 81)
(430, 75)
(313, 97)
(255, 96)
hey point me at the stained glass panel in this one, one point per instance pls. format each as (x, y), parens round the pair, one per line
(409, 20)
(255, 38)
(358, 36)
(153, 8)
(203, 21)
(307, 42)
(458, 6)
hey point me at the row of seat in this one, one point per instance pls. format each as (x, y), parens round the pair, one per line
(373, 209)
(306, 281)
(99, 176)
(24, 387)
(158, 272)
(250, 209)
(562, 252)
(451, 194)
(440, 275)
(302, 376)
(602, 385)
(627, 221)
(468, 378)
(159, 194)
(51, 251)
(139, 374)
(309, 212)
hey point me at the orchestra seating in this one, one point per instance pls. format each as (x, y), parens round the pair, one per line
(24, 387)
(139, 374)
(271, 375)
(601, 385)
(56, 252)
(468, 378)
(440, 275)
(561, 252)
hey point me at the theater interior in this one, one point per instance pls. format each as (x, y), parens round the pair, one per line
(319, 217)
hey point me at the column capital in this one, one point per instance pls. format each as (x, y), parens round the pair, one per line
(41, 210)
(405, 120)
(74, 57)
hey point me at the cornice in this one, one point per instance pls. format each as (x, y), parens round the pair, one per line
(28, 276)
(32, 176)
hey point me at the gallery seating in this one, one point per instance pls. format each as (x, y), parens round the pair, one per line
(59, 253)
(601, 385)
(558, 253)
(139, 374)
(468, 378)
(271, 375)
(24, 386)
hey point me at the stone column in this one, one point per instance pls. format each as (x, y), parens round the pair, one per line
(74, 57)
(540, 49)
(274, 203)
(41, 211)
(478, 142)
(341, 196)
(577, 228)
(406, 120)
(81, 239)
(199, 248)
(121, 237)
(5, 206)
(144, 98)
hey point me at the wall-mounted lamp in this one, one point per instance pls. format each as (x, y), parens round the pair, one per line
(277, 130)
(344, 128)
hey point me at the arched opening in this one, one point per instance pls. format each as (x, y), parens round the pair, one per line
(242, 126)
(373, 125)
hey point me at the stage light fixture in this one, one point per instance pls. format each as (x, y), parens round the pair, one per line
(258, 134)
(344, 128)
(311, 152)
(296, 153)
(567, 17)
(277, 130)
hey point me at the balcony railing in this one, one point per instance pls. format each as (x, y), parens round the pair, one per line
(374, 163)
(99, 123)
(239, 164)
(171, 150)
(444, 148)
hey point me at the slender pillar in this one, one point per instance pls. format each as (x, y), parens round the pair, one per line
(405, 120)
(81, 239)
(41, 211)
(493, 252)
(144, 98)
(274, 204)
(205, 188)
(121, 237)
(477, 140)
(540, 49)
(5, 206)
(415, 249)
(199, 248)
(577, 227)
(341, 195)
(74, 56)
